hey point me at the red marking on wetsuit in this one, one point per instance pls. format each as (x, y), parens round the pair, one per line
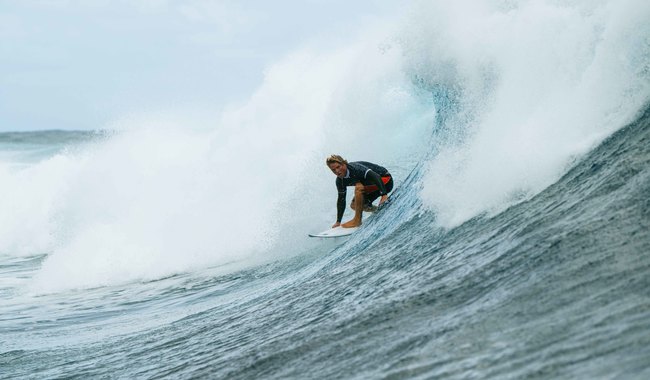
(370, 188)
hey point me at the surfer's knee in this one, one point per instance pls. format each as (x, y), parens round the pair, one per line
(358, 190)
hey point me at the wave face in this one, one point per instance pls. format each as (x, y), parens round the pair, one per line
(515, 244)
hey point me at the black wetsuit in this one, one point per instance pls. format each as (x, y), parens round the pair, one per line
(377, 180)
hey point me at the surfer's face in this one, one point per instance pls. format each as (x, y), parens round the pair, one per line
(338, 169)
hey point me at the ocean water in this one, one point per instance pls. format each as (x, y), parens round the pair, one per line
(515, 245)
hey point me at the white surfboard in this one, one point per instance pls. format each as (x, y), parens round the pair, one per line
(335, 232)
(341, 231)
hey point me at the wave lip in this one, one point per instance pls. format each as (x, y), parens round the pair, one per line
(532, 87)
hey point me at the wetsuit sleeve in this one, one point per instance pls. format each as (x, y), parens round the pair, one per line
(340, 202)
(340, 207)
(376, 179)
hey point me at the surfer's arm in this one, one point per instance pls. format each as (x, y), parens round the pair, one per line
(340, 208)
(376, 179)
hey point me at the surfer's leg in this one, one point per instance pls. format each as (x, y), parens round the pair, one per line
(368, 199)
(357, 207)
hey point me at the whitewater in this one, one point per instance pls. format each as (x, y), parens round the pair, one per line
(516, 243)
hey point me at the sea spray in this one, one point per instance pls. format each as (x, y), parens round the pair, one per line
(163, 196)
(538, 83)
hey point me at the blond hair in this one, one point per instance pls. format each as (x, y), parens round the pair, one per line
(335, 158)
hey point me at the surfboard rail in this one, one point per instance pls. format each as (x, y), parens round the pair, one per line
(335, 232)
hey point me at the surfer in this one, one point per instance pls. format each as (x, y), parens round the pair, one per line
(370, 182)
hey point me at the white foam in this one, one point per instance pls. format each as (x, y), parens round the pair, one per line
(541, 82)
(166, 195)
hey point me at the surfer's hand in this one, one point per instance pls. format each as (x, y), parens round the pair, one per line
(336, 225)
(383, 199)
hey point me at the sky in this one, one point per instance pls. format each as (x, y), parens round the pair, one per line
(79, 65)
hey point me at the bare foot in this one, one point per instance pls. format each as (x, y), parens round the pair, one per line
(350, 224)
